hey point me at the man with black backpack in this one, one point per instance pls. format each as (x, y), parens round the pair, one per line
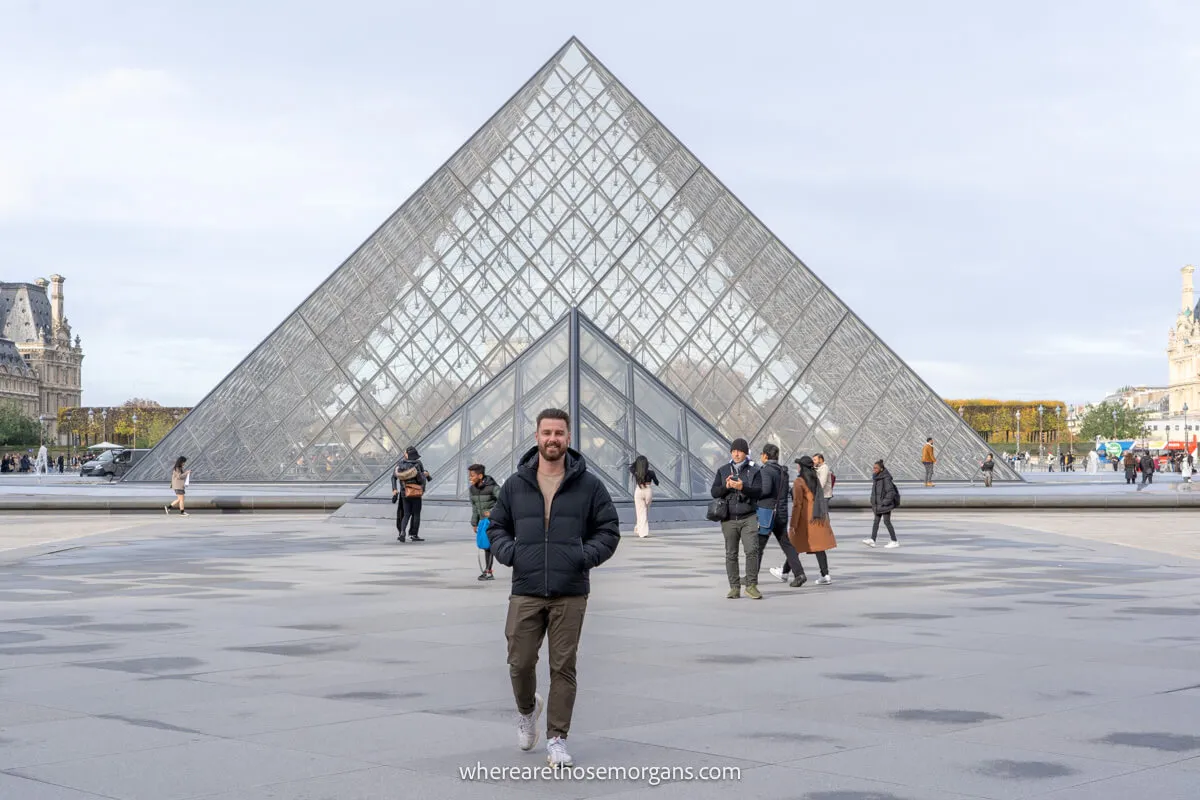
(773, 490)
(734, 487)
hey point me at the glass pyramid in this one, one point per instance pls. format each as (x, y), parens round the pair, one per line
(618, 411)
(572, 195)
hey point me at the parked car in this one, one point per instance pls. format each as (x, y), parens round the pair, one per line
(112, 464)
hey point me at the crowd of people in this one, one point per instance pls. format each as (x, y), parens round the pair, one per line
(28, 462)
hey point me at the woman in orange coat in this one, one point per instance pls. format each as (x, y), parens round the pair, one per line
(810, 531)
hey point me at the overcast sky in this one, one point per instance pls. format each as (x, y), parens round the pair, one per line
(1004, 192)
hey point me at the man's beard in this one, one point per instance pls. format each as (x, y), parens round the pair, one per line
(558, 453)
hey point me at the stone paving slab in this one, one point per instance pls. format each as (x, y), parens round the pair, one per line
(296, 658)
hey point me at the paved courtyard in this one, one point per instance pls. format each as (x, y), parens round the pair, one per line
(245, 658)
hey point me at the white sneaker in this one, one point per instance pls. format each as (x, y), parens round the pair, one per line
(869, 542)
(824, 580)
(167, 510)
(184, 514)
(892, 545)
(556, 753)
(778, 573)
(527, 725)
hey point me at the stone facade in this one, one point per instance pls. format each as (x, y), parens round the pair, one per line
(1183, 351)
(40, 364)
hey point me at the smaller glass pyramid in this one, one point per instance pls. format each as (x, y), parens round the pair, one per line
(618, 411)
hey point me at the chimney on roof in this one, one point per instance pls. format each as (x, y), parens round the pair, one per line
(56, 300)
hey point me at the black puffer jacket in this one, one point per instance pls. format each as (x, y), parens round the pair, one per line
(774, 488)
(583, 533)
(883, 492)
(741, 504)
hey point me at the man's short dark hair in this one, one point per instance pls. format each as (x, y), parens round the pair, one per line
(476, 468)
(554, 413)
(771, 451)
(930, 439)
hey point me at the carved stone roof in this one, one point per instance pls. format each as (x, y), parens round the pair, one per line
(25, 313)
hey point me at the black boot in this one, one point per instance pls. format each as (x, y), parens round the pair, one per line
(416, 538)
(798, 581)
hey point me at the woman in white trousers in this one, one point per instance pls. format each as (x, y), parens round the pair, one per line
(643, 494)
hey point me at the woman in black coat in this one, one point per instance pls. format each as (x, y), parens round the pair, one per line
(884, 499)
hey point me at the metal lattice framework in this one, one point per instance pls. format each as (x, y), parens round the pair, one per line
(572, 195)
(618, 410)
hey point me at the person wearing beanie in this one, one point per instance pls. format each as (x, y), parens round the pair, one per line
(738, 484)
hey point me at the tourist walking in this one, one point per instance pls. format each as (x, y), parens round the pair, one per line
(827, 480)
(1186, 468)
(1147, 465)
(772, 489)
(180, 478)
(885, 498)
(928, 459)
(1131, 466)
(484, 492)
(645, 480)
(988, 467)
(810, 530)
(734, 482)
(61, 463)
(554, 521)
(409, 480)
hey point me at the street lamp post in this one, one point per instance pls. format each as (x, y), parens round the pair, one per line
(1187, 437)
(1057, 434)
(1114, 424)
(135, 429)
(91, 422)
(1018, 459)
(104, 424)
(1041, 408)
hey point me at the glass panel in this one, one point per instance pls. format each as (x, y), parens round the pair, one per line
(552, 393)
(706, 446)
(666, 457)
(608, 407)
(657, 404)
(602, 357)
(445, 485)
(543, 359)
(493, 447)
(490, 404)
(436, 453)
(602, 448)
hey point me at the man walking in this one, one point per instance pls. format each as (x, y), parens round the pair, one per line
(988, 467)
(773, 488)
(553, 522)
(735, 482)
(928, 459)
(1147, 465)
